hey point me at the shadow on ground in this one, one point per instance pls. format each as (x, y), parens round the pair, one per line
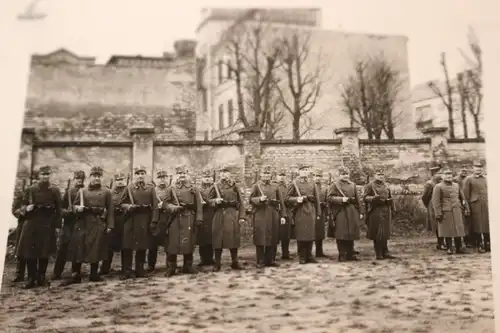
(423, 291)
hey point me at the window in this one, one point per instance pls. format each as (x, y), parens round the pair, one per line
(424, 112)
(204, 100)
(221, 116)
(220, 70)
(229, 70)
(230, 110)
(205, 135)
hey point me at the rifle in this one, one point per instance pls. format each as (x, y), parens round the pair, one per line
(213, 177)
(68, 187)
(170, 181)
(23, 186)
(128, 179)
(111, 184)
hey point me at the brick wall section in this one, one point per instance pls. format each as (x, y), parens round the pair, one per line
(406, 161)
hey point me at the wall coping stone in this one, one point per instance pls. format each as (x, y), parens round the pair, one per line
(434, 130)
(347, 130)
(142, 130)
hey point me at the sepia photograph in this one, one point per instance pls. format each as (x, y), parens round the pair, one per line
(251, 168)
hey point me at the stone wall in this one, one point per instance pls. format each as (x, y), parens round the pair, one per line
(406, 161)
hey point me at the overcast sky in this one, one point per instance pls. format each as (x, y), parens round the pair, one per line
(101, 28)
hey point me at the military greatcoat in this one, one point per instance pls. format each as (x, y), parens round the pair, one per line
(378, 210)
(225, 225)
(141, 205)
(321, 222)
(426, 199)
(115, 237)
(304, 214)
(266, 215)
(345, 215)
(204, 233)
(38, 238)
(182, 230)
(476, 194)
(447, 201)
(69, 216)
(89, 239)
(285, 229)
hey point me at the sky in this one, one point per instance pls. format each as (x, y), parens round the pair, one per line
(101, 28)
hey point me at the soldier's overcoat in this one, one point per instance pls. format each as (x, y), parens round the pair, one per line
(447, 201)
(204, 232)
(475, 190)
(379, 212)
(426, 199)
(321, 222)
(266, 215)
(115, 237)
(345, 215)
(89, 242)
(304, 214)
(182, 230)
(225, 224)
(38, 238)
(139, 220)
(285, 229)
(69, 216)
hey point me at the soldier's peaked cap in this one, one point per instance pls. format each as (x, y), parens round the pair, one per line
(435, 166)
(181, 169)
(446, 170)
(379, 171)
(161, 173)
(267, 169)
(206, 173)
(224, 168)
(80, 174)
(282, 172)
(318, 172)
(96, 170)
(478, 163)
(139, 168)
(343, 169)
(303, 166)
(119, 176)
(45, 170)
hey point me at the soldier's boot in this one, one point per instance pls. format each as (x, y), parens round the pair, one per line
(60, 263)
(260, 256)
(442, 244)
(385, 251)
(210, 255)
(351, 254)
(468, 241)
(218, 258)
(106, 264)
(274, 250)
(285, 249)
(459, 246)
(269, 256)
(126, 264)
(319, 249)
(94, 273)
(309, 255)
(41, 280)
(203, 255)
(449, 245)
(378, 250)
(340, 250)
(234, 259)
(20, 270)
(76, 275)
(302, 252)
(140, 258)
(171, 265)
(152, 258)
(32, 272)
(187, 267)
(487, 243)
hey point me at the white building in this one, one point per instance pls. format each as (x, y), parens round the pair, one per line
(338, 48)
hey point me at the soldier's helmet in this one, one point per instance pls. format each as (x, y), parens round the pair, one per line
(119, 176)
(161, 173)
(96, 170)
(478, 164)
(80, 174)
(140, 168)
(47, 170)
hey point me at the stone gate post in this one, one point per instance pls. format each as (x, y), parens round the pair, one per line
(142, 151)
(439, 143)
(251, 153)
(350, 151)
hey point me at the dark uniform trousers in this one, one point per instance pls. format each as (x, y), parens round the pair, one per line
(152, 255)
(266, 255)
(140, 259)
(206, 254)
(20, 269)
(37, 268)
(304, 249)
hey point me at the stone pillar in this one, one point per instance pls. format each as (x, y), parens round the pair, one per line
(142, 151)
(26, 158)
(350, 151)
(251, 154)
(439, 143)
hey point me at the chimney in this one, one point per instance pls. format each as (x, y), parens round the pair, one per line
(169, 56)
(185, 48)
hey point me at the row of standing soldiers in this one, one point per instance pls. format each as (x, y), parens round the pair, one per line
(458, 208)
(135, 219)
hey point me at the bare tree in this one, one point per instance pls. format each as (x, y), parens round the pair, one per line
(370, 96)
(301, 87)
(446, 96)
(463, 93)
(254, 59)
(474, 80)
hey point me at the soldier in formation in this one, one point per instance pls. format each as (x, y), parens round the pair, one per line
(475, 189)
(268, 214)
(322, 213)
(285, 228)
(459, 179)
(95, 219)
(448, 203)
(304, 199)
(183, 202)
(140, 205)
(229, 213)
(432, 224)
(41, 208)
(347, 212)
(204, 232)
(379, 208)
(69, 220)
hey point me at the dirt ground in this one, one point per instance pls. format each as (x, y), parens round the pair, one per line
(422, 291)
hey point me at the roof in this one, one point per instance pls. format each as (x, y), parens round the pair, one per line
(61, 51)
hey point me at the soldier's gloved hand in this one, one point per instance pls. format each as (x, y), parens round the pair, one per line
(108, 230)
(345, 200)
(218, 201)
(361, 216)
(79, 209)
(282, 220)
(241, 220)
(160, 204)
(467, 212)
(439, 218)
(263, 198)
(178, 209)
(199, 223)
(29, 208)
(318, 217)
(300, 199)
(58, 232)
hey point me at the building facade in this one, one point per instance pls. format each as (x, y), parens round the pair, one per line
(338, 51)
